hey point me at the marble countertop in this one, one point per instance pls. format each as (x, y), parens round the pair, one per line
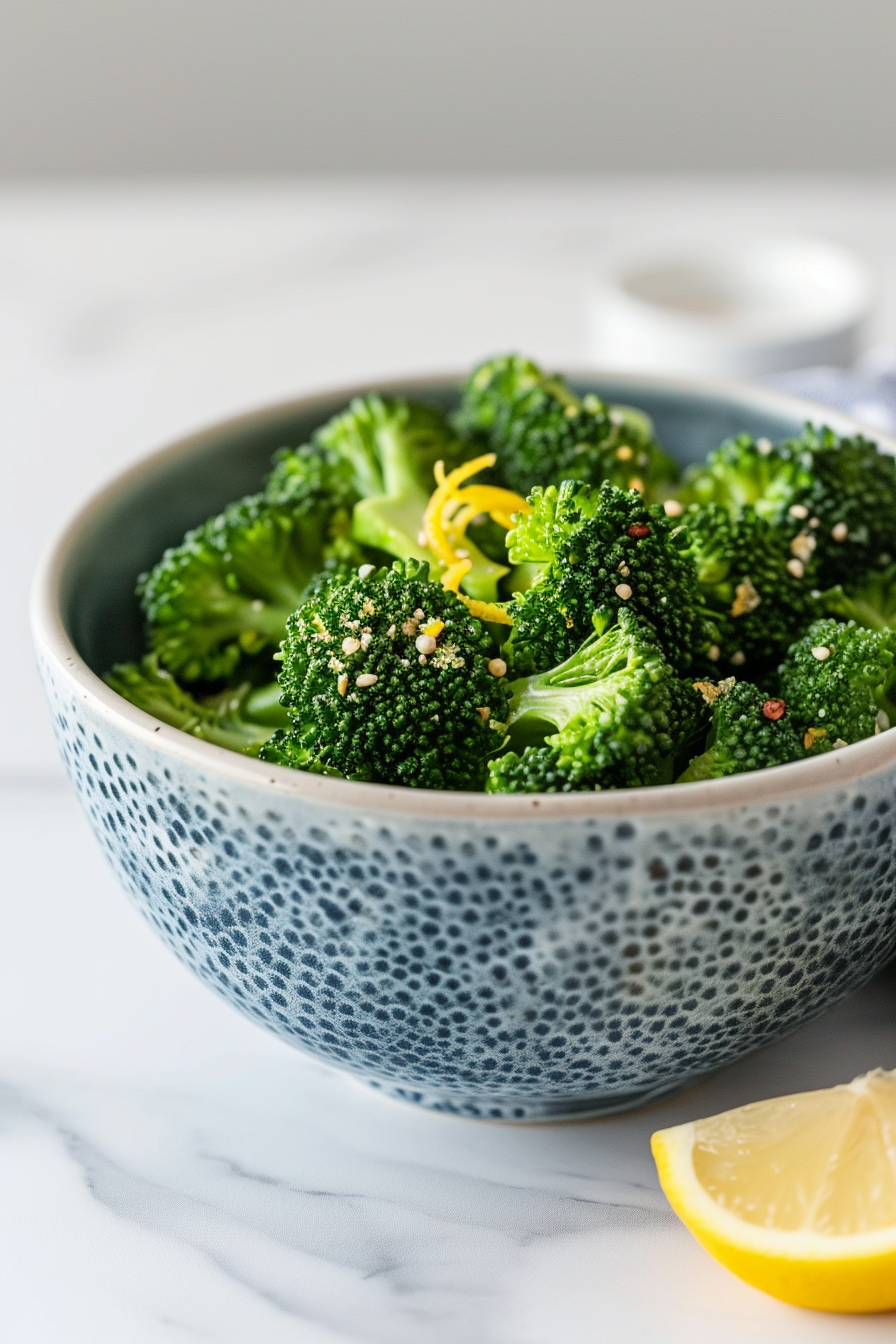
(167, 1170)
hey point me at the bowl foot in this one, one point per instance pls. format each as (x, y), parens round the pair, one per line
(532, 1110)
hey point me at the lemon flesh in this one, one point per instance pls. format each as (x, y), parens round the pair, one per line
(797, 1195)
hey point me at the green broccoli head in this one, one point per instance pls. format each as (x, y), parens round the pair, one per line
(613, 715)
(759, 595)
(226, 591)
(750, 731)
(240, 718)
(839, 681)
(601, 547)
(383, 451)
(870, 602)
(834, 498)
(542, 433)
(387, 677)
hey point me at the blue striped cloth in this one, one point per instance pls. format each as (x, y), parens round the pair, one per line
(868, 391)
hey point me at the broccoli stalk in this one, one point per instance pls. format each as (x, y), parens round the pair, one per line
(871, 602)
(240, 718)
(542, 433)
(388, 677)
(385, 451)
(613, 715)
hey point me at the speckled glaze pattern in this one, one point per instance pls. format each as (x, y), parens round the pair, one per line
(519, 970)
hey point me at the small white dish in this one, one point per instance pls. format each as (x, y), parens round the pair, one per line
(734, 310)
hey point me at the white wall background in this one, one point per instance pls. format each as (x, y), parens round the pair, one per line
(183, 86)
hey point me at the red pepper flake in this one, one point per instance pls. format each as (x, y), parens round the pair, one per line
(639, 530)
(774, 710)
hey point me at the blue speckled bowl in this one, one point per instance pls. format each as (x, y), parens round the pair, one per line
(517, 958)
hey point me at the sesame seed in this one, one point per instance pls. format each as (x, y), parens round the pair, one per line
(484, 713)
(350, 644)
(797, 569)
(836, 745)
(422, 660)
(366, 679)
(624, 591)
(404, 662)
(342, 683)
(764, 446)
(822, 712)
(673, 508)
(391, 632)
(802, 546)
(365, 571)
(821, 652)
(713, 653)
(739, 658)
(798, 511)
(425, 644)
(882, 722)
(497, 667)
(839, 532)
(418, 614)
(623, 569)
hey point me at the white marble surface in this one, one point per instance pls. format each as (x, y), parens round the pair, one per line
(167, 1170)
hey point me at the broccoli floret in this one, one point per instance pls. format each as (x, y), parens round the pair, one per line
(759, 596)
(614, 715)
(386, 676)
(227, 590)
(750, 731)
(240, 718)
(834, 498)
(542, 433)
(382, 452)
(839, 681)
(601, 547)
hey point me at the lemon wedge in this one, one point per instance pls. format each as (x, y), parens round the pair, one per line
(797, 1195)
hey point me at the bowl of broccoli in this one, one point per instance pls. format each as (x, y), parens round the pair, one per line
(518, 743)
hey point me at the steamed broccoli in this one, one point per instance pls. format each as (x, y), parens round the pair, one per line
(750, 731)
(226, 591)
(382, 452)
(614, 715)
(240, 718)
(387, 677)
(834, 497)
(601, 547)
(759, 597)
(870, 602)
(543, 433)
(839, 680)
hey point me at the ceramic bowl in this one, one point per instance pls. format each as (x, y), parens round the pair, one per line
(510, 957)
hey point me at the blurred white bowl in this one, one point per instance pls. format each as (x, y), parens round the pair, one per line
(738, 310)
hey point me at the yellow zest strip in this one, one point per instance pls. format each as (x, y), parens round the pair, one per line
(486, 611)
(453, 575)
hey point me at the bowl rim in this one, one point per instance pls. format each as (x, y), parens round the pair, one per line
(762, 787)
